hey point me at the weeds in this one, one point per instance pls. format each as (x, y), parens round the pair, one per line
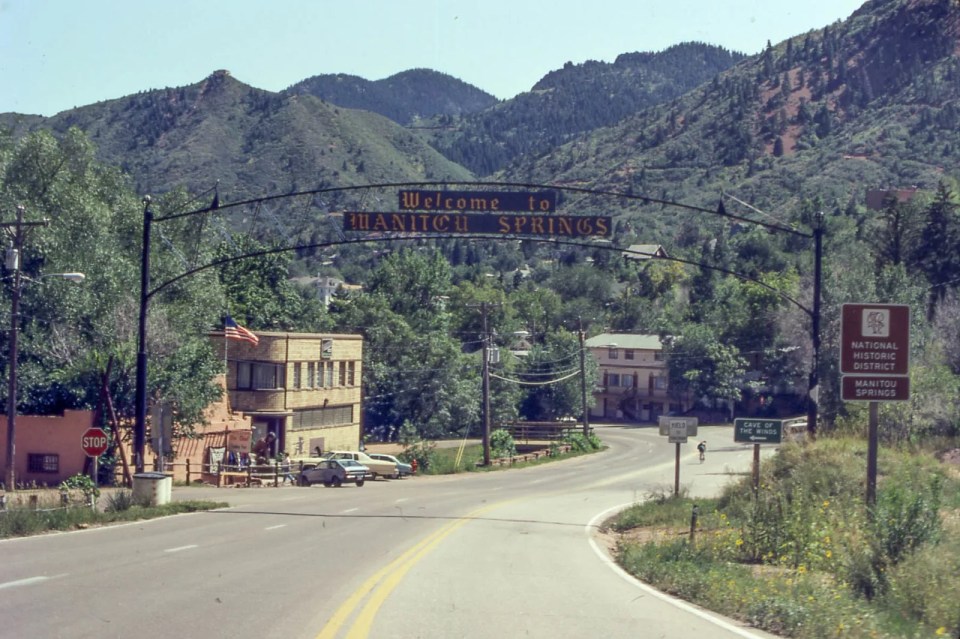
(804, 557)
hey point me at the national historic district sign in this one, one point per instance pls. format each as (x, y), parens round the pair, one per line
(479, 212)
(875, 352)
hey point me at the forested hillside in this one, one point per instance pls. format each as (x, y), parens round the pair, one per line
(406, 98)
(574, 100)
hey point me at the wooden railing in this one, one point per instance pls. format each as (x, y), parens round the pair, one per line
(542, 431)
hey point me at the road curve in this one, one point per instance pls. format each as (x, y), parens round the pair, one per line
(502, 554)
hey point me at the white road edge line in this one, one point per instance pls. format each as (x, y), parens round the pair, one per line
(678, 603)
(348, 511)
(179, 548)
(29, 581)
(275, 527)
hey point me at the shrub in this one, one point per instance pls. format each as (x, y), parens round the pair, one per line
(423, 452)
(583, 444)
(502, 444)
(119, 501)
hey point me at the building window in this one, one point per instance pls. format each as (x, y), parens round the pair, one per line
(352, 374)
(613, 380)
(660, 383)
(628, 354)
(329, 381)
(256, 376)
(43, 463)
(658, 356)
(297, 372)
(613, 354)
(322, 417)
(310, 375)
(626, 381)
(343, 374)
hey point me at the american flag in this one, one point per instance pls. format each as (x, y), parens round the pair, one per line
(232, 330)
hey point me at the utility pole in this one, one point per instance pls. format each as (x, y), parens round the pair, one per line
(13, 263)
(583, 383)
(814, 392)
(486, 386)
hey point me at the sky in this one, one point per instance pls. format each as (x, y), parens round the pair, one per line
(60, 54)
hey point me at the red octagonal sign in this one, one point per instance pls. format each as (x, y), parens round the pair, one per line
(94, 442)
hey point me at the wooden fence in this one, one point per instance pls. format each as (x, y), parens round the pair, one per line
(543, 431)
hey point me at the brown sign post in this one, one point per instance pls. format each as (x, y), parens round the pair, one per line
(875, 364)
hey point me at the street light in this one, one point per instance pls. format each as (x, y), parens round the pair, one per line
(12, 261)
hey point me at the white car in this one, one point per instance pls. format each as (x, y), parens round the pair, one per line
(403, 469)
(377, 467)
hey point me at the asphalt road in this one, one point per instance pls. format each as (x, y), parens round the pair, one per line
(503, 554)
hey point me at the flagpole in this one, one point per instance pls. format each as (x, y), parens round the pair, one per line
(226, 367)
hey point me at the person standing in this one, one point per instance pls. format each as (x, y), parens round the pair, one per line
(285, 468)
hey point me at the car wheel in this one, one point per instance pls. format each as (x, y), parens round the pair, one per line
(359, 483)
(327, 484)
(336, 482)
(396, 476)
(304, 482)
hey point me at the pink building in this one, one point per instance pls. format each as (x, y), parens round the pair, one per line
(48, 447)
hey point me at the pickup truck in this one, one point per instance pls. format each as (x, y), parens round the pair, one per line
(378, 467)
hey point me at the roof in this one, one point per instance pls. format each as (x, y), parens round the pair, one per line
(626, 340)
(644, 251)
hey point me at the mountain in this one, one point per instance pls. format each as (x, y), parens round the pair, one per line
(405, 98)
(868, 102)
(573, 100)
(252, 142)
(871, 102)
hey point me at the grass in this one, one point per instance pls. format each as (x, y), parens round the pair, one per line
(804, 557)
(443, 461)
(24, 521)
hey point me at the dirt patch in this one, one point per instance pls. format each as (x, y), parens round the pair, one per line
(611, 540)
(951, 456)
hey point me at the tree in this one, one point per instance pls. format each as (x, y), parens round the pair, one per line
(552, 375)
(69, 333)
(703, 367)
(259, 293)
(936, 252)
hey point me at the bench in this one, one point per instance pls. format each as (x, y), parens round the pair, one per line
(232, 478)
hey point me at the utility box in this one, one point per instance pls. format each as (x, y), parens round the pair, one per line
(152, 489)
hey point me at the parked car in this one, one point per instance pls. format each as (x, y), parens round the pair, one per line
(403, 469)
(334, 472)
(378, 467)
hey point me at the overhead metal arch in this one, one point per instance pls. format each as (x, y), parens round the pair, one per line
(146, 292)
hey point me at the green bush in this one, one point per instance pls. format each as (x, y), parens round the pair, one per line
(582, 443)
(502, 444)
(425, 454)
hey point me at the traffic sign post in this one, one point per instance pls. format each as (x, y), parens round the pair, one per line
(875, 364)
(758, 431)
(677, 430)
(94, 442)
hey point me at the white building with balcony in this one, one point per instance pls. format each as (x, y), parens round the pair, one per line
(634, 381)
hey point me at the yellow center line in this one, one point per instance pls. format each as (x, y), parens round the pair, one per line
(387, 578)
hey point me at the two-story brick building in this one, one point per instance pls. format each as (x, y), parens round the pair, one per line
(634, 381)
(302, 387)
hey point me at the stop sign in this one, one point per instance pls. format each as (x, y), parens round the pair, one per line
(94, 442)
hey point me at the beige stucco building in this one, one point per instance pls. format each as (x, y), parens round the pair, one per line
(305, 388)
